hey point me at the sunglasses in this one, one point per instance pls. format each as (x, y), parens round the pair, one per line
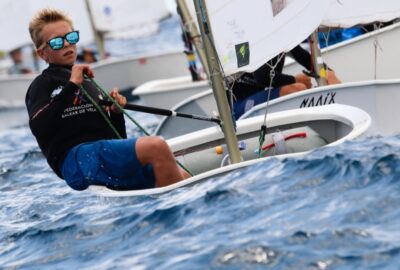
(57, 43)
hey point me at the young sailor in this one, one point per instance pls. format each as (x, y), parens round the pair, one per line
(79, 144)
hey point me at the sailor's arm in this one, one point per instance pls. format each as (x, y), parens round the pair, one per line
(302, 57)
(44, 109)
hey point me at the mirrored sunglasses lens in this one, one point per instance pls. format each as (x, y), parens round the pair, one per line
(72, 37)
(56, 43)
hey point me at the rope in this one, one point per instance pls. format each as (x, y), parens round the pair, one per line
(99, 109)
(119, 107)
(327, 50)
(377, 46)
(263, 130)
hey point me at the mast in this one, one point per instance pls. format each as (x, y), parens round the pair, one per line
(98, 36)
(217, 82)
(317, 61)
(194, 33)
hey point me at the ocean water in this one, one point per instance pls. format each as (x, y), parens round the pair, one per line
(335, 208)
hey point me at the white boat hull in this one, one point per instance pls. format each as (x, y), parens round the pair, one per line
(334, 123)
(371, 56)
(379, 98)
(166, 93)
(13, 90)
(130, 72)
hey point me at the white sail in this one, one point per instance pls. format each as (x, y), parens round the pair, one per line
(119, 18)
(128, 18)
(16, 15)
(347, 13)
(14, 32)
(249, 33)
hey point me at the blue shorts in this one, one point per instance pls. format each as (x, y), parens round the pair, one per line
(243, 105)
(110, 163)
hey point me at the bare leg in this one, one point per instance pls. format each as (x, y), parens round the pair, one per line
(292, 88)
(185, 173)
(155, 150)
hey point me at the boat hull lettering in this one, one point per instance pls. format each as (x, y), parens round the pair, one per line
(319, 100)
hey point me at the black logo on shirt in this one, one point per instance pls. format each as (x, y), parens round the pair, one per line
(79, 98)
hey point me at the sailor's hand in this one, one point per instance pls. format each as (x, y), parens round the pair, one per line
(332, 78)
(304, 79)
(120, 99)
(78, 72)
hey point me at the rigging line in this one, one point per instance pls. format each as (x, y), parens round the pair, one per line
(263, 130)
(99, 88)
(327, 50)
(376, 46)
(271, 76)
(231, 90)
(100, 110)
(281, 55)
(326, 36)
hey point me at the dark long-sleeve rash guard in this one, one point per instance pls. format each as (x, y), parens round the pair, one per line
(61, 117)
(250, 83)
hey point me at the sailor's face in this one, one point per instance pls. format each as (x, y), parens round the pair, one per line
(65, 56)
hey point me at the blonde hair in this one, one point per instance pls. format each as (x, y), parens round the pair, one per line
(42, 18)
